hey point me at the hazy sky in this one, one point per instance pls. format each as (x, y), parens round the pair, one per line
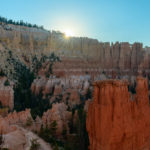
(106, 20)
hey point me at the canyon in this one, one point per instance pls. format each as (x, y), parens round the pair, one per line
(117, 112)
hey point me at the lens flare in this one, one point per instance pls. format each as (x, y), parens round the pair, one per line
(68, 33)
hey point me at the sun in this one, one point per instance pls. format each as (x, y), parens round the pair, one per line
(68, 33)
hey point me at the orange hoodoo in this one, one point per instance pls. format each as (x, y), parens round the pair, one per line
(117, 122)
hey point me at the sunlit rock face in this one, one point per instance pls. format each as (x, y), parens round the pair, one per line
(117, 122)
(83, 54)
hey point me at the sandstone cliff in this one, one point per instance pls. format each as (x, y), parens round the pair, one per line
(117, 122)
(117, 56)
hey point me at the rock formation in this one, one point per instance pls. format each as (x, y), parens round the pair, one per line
(69, 88)
(20, 139)
(15, 136)
(59, 114)
(38, 85)
(6, 93)
(8, 123)
(115, 121)
(86, 106)
(122, 57)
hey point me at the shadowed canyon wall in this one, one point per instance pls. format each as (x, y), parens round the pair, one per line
(116, 120)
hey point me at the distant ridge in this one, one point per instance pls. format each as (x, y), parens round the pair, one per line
(20, 23)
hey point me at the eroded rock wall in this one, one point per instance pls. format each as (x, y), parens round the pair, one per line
(121, 56)
(115, 121)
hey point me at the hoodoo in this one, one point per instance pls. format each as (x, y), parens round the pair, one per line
(116, 120)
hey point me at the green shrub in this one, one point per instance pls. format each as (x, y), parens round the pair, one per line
(88, 94)
(2, 73)
(7, 83)
(2, 142)
(20, 23)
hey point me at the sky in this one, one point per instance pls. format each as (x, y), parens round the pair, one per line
(105, 20)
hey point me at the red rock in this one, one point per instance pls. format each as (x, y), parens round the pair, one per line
(58, 90)
(86, 106)
(38, 85)
(8, 123)
(117, 122)
(74, 98)
(59, 114)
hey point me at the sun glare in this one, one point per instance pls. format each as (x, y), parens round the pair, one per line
(68, 33)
